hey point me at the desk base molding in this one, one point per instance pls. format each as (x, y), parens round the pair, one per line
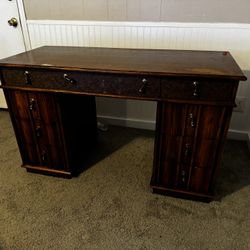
(48, 171)
(182, 194)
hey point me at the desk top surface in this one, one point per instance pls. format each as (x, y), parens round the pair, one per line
(132, 61)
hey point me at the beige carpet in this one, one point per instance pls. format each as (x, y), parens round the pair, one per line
(110, 205)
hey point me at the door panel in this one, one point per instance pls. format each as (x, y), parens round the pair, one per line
(11, 38)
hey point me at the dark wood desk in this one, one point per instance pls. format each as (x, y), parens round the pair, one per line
(50, 92)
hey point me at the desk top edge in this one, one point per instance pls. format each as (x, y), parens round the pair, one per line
(130, 61)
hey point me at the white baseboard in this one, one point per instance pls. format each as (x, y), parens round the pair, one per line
(248, 141)
(127, 122)
(150, 125)
(237, 135)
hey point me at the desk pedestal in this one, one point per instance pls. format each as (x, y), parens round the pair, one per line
(54, 132)
(188, 147)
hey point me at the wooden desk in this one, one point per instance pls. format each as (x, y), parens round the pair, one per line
(50, 92)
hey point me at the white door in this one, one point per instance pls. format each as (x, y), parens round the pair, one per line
(11, 38)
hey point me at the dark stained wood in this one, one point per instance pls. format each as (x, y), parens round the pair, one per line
(51, 92)
(18, 104)
(94, 83)
(52, 135)
(214, 64)
(200, 180)
(187, 149)
(212, 89)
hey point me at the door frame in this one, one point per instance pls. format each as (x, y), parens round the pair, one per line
(23, 24)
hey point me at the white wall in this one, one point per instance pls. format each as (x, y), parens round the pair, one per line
(140, 10)
(198, 36)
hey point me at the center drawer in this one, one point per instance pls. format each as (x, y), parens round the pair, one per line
(89, 82)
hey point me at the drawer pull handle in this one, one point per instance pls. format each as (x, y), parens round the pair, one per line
(32, 104)
(27, 77)
(196, 89)
(68, 79)
(44, 157)
(144, 86)
(187, 150)
(38, 131)
(183, 176)
(192, 122)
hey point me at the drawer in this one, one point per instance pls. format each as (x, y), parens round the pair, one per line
(167, 175)
(96, 83)
(198, 89)
(205, 153)
(50, 157)
(200, 180)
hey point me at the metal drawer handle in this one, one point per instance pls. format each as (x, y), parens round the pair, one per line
(68, 79)
(183, 176)
(192, 122)
(27, 77)
(196, 89)
(38, 131)
(144, 86)
(187, 150)
(44, 157)
(32, 104)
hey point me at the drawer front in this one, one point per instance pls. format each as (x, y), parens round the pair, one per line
(205, 153)
(198, 89)
(96, 83)
(200, 180)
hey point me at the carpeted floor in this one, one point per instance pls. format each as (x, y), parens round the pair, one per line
(110, 205)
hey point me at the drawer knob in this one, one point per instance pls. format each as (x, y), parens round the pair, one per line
(68, 79)
(144, 86)
(196, 89)
(27, 77)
